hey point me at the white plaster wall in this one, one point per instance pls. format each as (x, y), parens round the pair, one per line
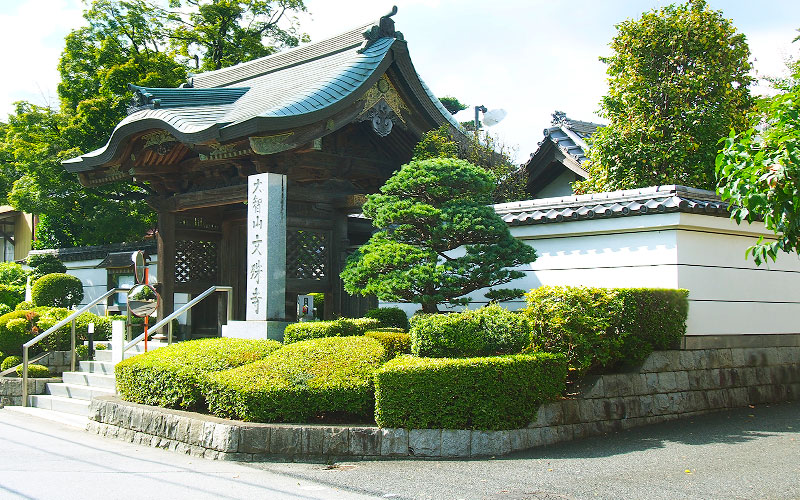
(704, 254)
(728, 293)
(95, 280)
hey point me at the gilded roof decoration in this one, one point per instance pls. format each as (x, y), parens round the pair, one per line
(383, 90)
(159, 141)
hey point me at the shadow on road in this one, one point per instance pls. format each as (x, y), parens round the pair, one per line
(725, 427)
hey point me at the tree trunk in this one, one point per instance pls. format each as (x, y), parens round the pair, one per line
(430, 308)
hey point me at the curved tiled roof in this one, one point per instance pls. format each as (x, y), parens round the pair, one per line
(286, 90)
(626, 203)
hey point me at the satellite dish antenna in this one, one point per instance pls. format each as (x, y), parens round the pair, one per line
(493, 117)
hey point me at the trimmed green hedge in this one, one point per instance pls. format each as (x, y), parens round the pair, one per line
(10, 361)
(44, 264)
(299, 382)
(389, 317)
(172, 376)
(60, 340)
(35, 371)
(20, 326)
(498, 392)
(600, 329)
(395, 342)
(15, 333)
(342, 327)
(57, 290)
(482, 332)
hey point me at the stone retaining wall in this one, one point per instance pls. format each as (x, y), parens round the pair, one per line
(669, 385)
(11, 389)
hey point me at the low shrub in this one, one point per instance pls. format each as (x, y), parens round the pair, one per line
(12, 273)
(319, 304)
(342, 327)
(35, 371)
(25, 305)
(11, 295)
(300, 381)
(44, 264)
(10, 362)
(57, 290)
(482, 332)
(498, 392)
(11, 339)
(60, 340)
(394, 342)
(172, 376)
(4, 309)
(656, 317)
(600, 329)
(389, 317)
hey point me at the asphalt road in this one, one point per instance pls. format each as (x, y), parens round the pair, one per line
(752, 453)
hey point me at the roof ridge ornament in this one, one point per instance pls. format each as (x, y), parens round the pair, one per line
(560, 118)
(383, 29)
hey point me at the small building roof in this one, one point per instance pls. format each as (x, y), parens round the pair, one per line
(287, 90)
(99, 251)
(563, 147)
(625, 203)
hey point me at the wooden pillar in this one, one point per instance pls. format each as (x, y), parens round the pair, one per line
(338, 257)
(166, 262)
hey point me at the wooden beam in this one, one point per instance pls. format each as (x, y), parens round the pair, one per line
(209, 198)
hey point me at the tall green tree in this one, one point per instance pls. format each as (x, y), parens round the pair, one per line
(227, 32)
(759, 171)
(124, 41)
(678, 80)
(37, 142)
(484, 152)
(426, 211)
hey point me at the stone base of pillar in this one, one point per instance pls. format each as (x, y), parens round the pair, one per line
(272, 330)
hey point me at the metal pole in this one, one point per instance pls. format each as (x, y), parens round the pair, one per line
(229, 296)
(72, 348)
(24, 375)
(169, 333)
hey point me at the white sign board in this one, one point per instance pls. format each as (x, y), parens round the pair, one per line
(266, 247)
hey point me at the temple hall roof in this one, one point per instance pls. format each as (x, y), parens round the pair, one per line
(283, 91)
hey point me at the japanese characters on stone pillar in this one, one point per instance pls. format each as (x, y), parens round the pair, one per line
(266, 247)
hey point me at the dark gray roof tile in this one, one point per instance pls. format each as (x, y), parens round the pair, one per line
(626, 203)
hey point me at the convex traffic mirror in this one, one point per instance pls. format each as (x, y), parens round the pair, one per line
(138, 266)
(142, 300)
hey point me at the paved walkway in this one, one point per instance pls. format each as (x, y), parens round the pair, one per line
(751, 453)
(41, 459)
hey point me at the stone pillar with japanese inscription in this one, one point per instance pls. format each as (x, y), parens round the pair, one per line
(266, 247)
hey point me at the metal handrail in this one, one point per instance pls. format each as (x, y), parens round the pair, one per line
(168, 320)
(71, 318)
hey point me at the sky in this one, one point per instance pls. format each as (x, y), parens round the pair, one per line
(528, 57)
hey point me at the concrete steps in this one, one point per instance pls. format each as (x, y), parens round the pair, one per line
(62, 404)
(94, 378)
